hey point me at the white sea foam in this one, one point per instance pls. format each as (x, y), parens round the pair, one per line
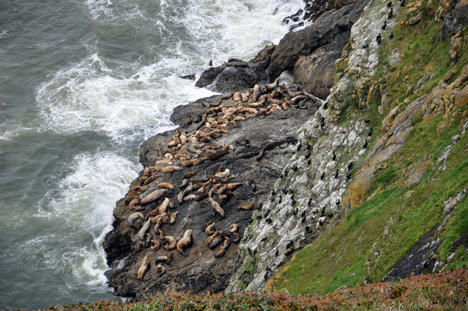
(83, 205)
(237, 28)
(88, 97)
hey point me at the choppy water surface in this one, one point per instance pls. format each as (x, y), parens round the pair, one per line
(82, 84)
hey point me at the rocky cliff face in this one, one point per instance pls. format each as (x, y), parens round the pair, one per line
(367, 185)
(400, 214)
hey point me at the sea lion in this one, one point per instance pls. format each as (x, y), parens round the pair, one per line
(146, 243)
(157, 225)
(142, 232)
(165, 218)
(172, 217)
(216, 207)
(171, 243)
(233, 186)
(161, 234)
(223, 248)
(188, 175)
(166, 259)
(271, 86)
(205, 225)
(195, 197)
(233, 228)
(218, 154)
(170, 169)
(150, 179)
(164, 205)
(235, 237)
(212, 237)
(135, 202)
(245, 206)
(131, 219)
(184, 183)
(153, 196)
(222, 173)
(161, 209)
(220, 253)
(236, 97)
(216, 241)
(224, 198)
(156, 245)
(166, 185)
(256, 91)
(188, 162)
(200, 161)
(180, 197)
(143, 267)
(160, 270)
(210, 229)
(164, 162)
(186, 241)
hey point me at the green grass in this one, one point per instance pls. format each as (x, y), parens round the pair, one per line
(357, 249)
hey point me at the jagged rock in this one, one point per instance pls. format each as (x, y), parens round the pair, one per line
(329, 28)
(453, 15)
(200, 270)
(316, 71)
(232, 76)
(330, 32)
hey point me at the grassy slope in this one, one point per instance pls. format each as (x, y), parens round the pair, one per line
(359, 248)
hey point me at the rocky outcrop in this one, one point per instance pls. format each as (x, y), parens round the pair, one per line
(327, 35)
(320, 173)
(453, 15)
(300, 164)
(218, 166)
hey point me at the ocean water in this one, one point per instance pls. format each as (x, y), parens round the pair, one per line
(82, 84)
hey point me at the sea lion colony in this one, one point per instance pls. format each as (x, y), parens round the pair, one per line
(186, 151)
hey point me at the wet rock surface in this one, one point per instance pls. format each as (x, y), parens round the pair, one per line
(327, 35)
(227, 151)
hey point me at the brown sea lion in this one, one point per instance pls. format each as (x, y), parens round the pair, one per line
(164, 162)
(245, 206)
(153, 196)
(155, 245)
(235, 237)
(210, 229)
(185, 242)
(131, 219)
(166, 259)
(233, 228)
(160, 269)
(166, 185)
(271, 86)
(143, 267)
(142, 232)
(171, 243)
(136, 201)
(170, 169)
(256, 92)
(157, 225)
(216, 207)
(172, 217)
(205, 225)
(216, 241)
(188, 174)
